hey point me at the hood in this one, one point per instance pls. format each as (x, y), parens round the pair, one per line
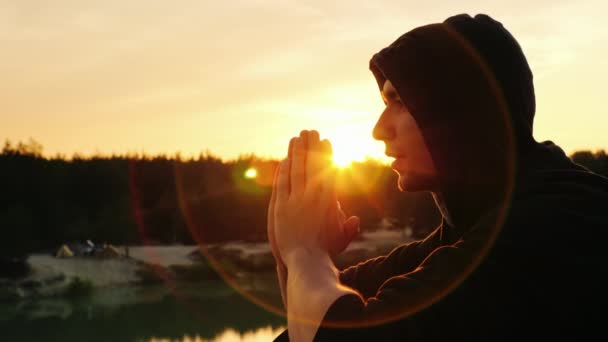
(469, 88)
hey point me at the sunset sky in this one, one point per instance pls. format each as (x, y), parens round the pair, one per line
(243, 76)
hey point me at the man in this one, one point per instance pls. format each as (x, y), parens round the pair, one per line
(519, 251)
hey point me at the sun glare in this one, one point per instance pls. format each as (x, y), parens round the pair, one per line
(251, 173)
(353, 146)
(342, 160)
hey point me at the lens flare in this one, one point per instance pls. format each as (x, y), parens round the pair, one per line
(245, 189)
(341, 161)
(251, 173)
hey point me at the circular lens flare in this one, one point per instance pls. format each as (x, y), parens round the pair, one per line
(344, 154)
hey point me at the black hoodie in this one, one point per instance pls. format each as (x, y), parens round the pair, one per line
(523, 254)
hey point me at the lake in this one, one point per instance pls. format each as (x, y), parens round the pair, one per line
(151, 314)
(121, 309)
(205, 311)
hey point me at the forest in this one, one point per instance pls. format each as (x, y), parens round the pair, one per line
(140, 199)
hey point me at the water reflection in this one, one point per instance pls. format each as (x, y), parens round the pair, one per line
(208, 311)
(230, 335)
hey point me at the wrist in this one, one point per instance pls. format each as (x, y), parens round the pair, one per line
(303, 258)
(312, 270)
(312, 286)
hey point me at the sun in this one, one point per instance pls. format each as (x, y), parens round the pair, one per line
(343, 158)
(353, 144)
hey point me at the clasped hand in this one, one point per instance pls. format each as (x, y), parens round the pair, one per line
(304, 213)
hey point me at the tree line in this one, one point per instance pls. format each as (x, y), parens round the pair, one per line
(141, 199)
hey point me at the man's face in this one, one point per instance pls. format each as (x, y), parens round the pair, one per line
(403, 139)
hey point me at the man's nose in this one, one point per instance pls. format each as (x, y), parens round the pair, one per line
(384, 130)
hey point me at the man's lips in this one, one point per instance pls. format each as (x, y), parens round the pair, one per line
(400, 163)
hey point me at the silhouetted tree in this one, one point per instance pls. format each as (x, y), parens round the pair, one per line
(137, 198)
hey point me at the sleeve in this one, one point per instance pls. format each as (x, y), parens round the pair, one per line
(401, 297)
(388, 285)
(397, 297)
(368, 276)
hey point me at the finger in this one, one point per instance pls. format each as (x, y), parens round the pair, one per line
(327, 152)
(283, 182)
(290, 148)
(304, 137)
(290, 158)
(326, 145)
(313, 143)
(298, 166)
(325, 165)
(327, 189)
(270, 217)
(273, 197)
(313, 136)
(329, 173)
(314, 162)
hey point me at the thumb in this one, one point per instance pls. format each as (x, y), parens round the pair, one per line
(351, 228)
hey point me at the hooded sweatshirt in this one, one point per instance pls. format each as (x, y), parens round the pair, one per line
(522, 253)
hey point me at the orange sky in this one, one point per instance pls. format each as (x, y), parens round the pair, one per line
(241, 76)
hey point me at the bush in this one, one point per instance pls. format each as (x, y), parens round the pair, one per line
(150, 274)
(79, 287)
(14, 268)
(10, 294)
(194, 272)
